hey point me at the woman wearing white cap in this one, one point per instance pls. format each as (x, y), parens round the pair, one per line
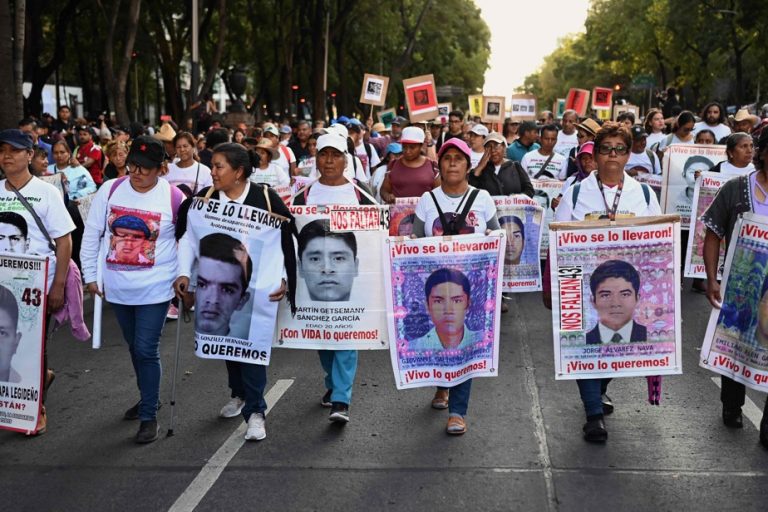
(412, 174)
(470, 210)
(334, 188)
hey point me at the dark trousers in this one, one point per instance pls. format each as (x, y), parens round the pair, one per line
(732, 395)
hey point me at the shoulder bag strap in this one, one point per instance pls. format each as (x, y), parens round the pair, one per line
(40, 226)
(443, 220)
(544, 167)
(467, 207)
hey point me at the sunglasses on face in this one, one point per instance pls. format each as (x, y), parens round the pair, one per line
(605, 149)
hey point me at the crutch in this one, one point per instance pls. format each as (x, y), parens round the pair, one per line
(175, 367)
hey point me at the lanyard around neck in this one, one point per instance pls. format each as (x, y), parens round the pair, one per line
(611, 212)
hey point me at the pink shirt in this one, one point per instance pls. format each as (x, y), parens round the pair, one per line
(411, 181)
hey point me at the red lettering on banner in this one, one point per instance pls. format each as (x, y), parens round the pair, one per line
(571, 317)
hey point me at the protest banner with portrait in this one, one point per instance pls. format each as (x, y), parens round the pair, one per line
(681, 165)
(475, 105)
(523, 107)
(57, 180)
(493, 109)
(23, 291)
(420, 98)
(620, 108)
(578, 100)
(443, 307)
(237, 269)
(616, 297)
(521, 218)
(602, 98)
(652, 180)
(707, 186)
(558, 109)
(387, 116)
(339, 298)
(402, 214)
(374, 90)
(443, 111)
(736, 343)
(544, 191)
(84, 205)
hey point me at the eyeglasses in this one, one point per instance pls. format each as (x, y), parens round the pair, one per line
(605, 149)
(137, 169)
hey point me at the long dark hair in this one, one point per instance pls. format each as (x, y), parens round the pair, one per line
(237, 156)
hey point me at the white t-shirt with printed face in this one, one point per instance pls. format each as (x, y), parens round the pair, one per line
(565, 143)
(533, 161)
(49, 206)
(482, 210)
(591, 203)
(720, 130)
(188, 175)
(138, 248)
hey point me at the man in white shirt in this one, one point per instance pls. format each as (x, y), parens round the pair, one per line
(544, 163)
(641, 160)
(566, 138)
(365, 152)
(286, 158)
(477, 136)
(713, 118)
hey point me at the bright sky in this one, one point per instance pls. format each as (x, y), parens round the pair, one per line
(523, 32)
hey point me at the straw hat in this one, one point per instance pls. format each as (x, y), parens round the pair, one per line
(267, 146)
(166, 133)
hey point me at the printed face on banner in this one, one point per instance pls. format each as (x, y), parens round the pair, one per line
(12, 229)
(682, 165)
(133, 235)
(521, 218)
(559, 108)
(577, 100)
(374, 89)
(239, 263)
(421, 98)
(616, 288)
(327, 262)
(707, 187)
(602, 98)
(22, 301)
(224, 272)
(402, 216)
(523, 107)
(444, 296)
(475, 105)
(387, 116)
(736, 343)
(339, 297)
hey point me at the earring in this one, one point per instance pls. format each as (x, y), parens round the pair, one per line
(237, 181)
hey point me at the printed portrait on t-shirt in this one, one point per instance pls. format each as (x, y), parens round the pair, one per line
(132, 238)
(13, 233)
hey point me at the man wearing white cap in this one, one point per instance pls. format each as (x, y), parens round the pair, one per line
(477, 136)
(286, 158)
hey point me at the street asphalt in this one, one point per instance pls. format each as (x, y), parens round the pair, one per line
(523, 450)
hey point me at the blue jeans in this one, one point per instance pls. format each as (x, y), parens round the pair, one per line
(591, 391)
(142, 326)
(340, 367)
(247, 381)
(458, 397)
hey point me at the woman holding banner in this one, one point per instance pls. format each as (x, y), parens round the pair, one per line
(137, 250)
(605, 194)
(333, 188)
(232, 165)
(747, 193)
(454, 208)
(48, 227)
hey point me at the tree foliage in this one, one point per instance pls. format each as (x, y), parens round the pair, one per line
(707, 49)
(125, 67)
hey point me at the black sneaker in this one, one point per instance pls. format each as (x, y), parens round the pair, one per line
(764, 432)
(133, 413)
(147, 432)
(607, 404)
(339, 412)
(326, 400)
(732, 418)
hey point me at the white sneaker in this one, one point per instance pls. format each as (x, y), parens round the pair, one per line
(256, 427)
(233, 408)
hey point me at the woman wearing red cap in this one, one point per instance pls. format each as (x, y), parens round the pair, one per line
(465, 210)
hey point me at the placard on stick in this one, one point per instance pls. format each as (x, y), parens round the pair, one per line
(387, 116)
(523, 107)
(578, 100)
(620, 109)
(475, 105)
(493, 109)
(558, 109)
(421, 98)
(374, 90)
(602, 98)
(443, 110)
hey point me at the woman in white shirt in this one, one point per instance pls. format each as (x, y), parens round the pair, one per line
(80, 181)
(654, 126)
(187, 172)
(268, 171)
(334, 188)
(232, 165)
(447, 203)
(130, 231)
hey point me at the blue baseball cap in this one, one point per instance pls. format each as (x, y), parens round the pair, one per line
(16, 138)
(394, 147)
(343, 120)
